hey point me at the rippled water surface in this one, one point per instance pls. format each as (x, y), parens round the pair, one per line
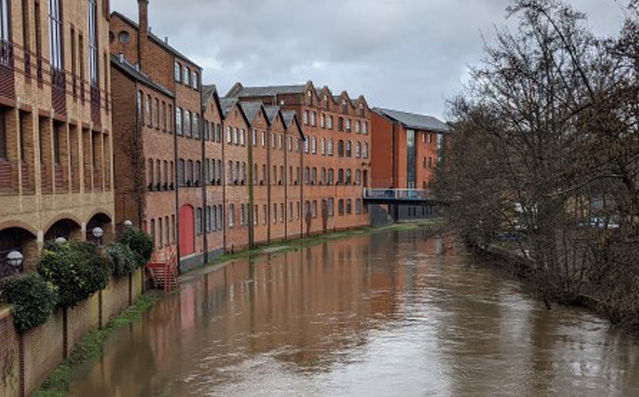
(393, 314)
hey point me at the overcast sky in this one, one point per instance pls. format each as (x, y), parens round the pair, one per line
(404, 54)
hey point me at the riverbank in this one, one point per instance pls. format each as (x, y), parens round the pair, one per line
(435, 226)
(90, 348)
(548, 287)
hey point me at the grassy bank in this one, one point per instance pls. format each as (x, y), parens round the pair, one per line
(90, 348)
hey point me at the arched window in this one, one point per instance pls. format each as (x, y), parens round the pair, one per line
(323, 180)
(358, 206)
(358, 149)
(331, 207)
(348, 149)
(340, 207)
(330, 147)
(158, 173)
(215, 226)
(340, 176)
(305, 117)
(149, 117)
(220, 214)
(340, 148)
(331, 176)
(348, 176)
(344, 106)
(230, 172)
(314, 176)
(358, 177)
(166, 173)
(231, 215)
(307, 175)
(196, 125)
(198, 221)
(187, 123)
(313, 119)
(349, 206)
(365, 150)
(329, 124)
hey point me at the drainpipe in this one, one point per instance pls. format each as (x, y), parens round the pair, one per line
(251, 187)
(177, 186)
(205, 219)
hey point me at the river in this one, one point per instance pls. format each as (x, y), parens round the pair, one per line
(388, 314)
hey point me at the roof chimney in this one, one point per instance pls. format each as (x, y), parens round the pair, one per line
(143, 32)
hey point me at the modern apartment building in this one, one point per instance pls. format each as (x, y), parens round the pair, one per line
(56, 177)
(407, 149)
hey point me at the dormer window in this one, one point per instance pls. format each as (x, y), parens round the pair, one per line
(309, 98)
(326, 102)
(344, 107)
(361, 110)
(178, 72)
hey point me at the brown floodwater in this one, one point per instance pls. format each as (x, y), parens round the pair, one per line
(392, 314)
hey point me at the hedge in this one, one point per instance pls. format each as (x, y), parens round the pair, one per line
(32, 297)
(123, 259)
(141, 244)
(76, 268)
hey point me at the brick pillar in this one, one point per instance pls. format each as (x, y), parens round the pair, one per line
(46, 154)
(87, 169)
(13, 147)
(74, 154)
(27, 158)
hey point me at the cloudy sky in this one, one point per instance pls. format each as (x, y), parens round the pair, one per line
(404, 54)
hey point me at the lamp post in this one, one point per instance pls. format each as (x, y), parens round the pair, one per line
(15, 260)
(127, 224)
(98, 233)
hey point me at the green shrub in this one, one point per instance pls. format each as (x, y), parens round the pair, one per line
(141, 244)
(123, 260)
(76, 268)
(33, 299)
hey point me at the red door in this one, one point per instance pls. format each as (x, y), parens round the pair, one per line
(187, 231)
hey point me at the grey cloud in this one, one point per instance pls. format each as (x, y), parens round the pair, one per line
(406, 54)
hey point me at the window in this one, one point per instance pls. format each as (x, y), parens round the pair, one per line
(236, 136)
(178, 121)
(189, 172)
(274, 213)
(309, 98)
(314, 145)
(254, 138)
(208, 221)
(55, 33)
(313, 119)
(340, 207)
(281, 139)
(93, 43)
(215, 224)
(361, 109)
(430, 162)
(314, 176)
(365, 150)
(307, 175)
(229, 135)
(331, 176)
(243, 138)
(187, 123)
(263, 138)
(153, 232)
(306, 117)
(358, 149)
(140, 99)
(314, 213)
(170, 121)
(230, 172)
(365, 128)
(358, 127)
(340, 124)
(344, 106)
(178, 72)
(124, 37)
(196, 125)
(241, 214)
(166, 230)
(348, 176)
(220, 214)
(265, 214)
(349, 206)
(358, 206)
(157, 113)
(330, 147)
(198, 172)
(196, 79)
(322, 121)
(243, 172)
(163, 116)
(281, 212)
(181, 176)
(149, 118)
(187, 76)
(348, 125)
(325, 102)
(348, 149)
(340, 176)
(306, 145)
(340, 148)
(231, 215)
(331, 206)
(198, 221)
(330, 122)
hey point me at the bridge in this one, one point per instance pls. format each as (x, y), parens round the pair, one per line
(401, 197)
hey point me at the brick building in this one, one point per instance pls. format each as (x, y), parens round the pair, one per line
(164, 107)
(335, 157)
(55, 124)
(406, 150)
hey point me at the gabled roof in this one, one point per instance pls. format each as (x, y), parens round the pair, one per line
(155, 38)
(227, 104)
(209, 92)
(272, 112)
(251, 109)
(414, 121)
(135, 74)
(239, 91)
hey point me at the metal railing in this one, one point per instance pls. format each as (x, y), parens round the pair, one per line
(398, 194)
